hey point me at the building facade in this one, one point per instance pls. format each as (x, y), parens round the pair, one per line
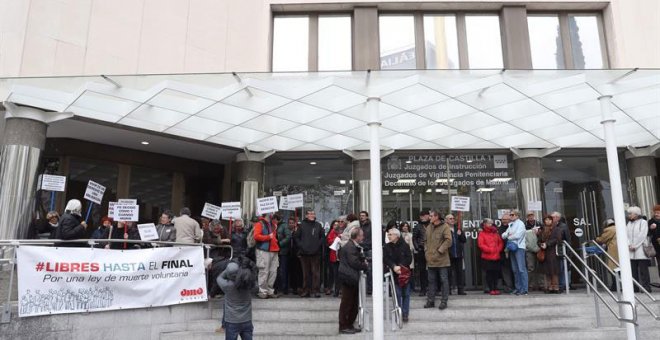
(61, 41)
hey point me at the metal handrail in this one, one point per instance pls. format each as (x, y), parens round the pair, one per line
(362, 298)
(642, 289)
(396, 309)
(566, 245)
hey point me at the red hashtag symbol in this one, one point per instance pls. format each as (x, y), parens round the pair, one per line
(40, 266)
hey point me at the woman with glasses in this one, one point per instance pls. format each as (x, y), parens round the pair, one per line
(398, 257)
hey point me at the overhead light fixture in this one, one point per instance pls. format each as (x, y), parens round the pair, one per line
(312, 163)
(442, 191)
(412, 181)
(408, 162)
(501, 179)
(342, 181)
(444, 180)
(485, 189)
(558, 160)
(144, 142)
(469, 161)
(401, 191)
(350, 182)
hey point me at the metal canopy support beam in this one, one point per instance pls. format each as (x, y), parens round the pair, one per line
(373, 105)
(619, 216)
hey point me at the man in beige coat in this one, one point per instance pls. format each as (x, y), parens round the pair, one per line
(438, 242)
(187, 229)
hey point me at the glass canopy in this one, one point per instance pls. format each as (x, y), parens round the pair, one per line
(419, 109)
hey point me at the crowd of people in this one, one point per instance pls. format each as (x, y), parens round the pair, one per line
(300, 257)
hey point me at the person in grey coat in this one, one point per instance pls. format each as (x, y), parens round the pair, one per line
(237, 282)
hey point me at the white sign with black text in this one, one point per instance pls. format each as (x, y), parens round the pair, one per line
(460, 203)
(231, 210)
(211, 211)
(94, 192)
(53, 183)
(266, 205)
(127, 212)
(148, 232)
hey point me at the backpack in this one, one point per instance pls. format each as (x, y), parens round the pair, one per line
(251, 242)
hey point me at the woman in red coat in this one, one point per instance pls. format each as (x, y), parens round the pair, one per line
(335, 231)
(491, 244)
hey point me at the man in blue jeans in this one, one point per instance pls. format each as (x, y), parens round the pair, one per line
(516, 234)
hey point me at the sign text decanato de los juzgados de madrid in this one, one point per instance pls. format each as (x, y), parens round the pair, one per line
(430, 170)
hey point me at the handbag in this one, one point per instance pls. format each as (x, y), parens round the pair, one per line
(648, 248)
(404, 276)
(540, 255)
(511, 246)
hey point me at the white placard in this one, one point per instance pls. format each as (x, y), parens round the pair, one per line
(111, 209)
(502, 212)
(127, 212)
(79, 280)
(231, 210)
(266, 205)
(336, 244)
(339, 192)
(53, 183)
(277, 193)
(460, 203)
(94, 192)
(284, 203)
(148, 232)
(295, 201)
(126, 201)
(211, 211)
(535, 205)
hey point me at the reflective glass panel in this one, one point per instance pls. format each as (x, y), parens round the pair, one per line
(545, 42)
(440, 41)
(397, 42)
(290, 44)
(335, 43)
(585, 42)
(484, 41)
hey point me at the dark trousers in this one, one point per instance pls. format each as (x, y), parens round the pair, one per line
(283, 274)
(234, 330)
(295, 273)
(311, 272)
(438, 279)
(640, 272)
(420, 269)
(457, 274)
(491, 279)
(507, 274)
(334, 277)
(348, 308)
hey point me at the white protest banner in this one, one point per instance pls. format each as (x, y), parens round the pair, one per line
(295, 201)
(111, 209)
(284, 203)
(231, 210)
(127, 201)
(94, 192)
(460, 203)
(266, 205)
(535, 205)
(53, 183)
(148, 232)
(502, 212)
(77, 280)
(127, 212)
(211, 211)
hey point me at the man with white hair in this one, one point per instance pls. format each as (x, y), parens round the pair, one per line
(637, 230)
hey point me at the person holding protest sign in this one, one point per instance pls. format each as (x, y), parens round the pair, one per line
(123, 231)
(106, 223)
(239, 239)
(267, 249)
(72, 226)
(237, 282)
(187, 229)
(216, 235)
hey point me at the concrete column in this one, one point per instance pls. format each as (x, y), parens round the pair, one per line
(644, 176)
(124, 181)
(515, 38)
(529, 175)
(178, 191)
(366, 52)
(250, 167)
(362, 184)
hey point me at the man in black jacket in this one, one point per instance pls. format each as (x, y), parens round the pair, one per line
(419, 243)
(352, 261)
(310, 239)
(365, 224)
(456, 254)
(396, 254)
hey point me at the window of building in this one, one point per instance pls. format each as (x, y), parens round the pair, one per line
(397, 42)
(545, 42)
(312, 43)
(153, 190)
(585, 41)
(484, 41)
(335, 43)
(291, 43)
(441, 42)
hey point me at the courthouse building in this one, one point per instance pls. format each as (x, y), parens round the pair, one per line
(180, 102)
